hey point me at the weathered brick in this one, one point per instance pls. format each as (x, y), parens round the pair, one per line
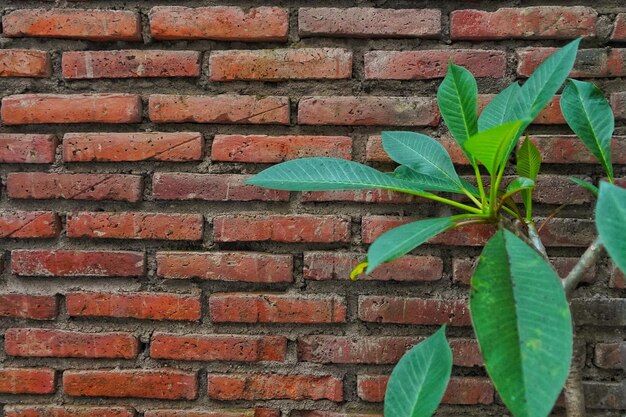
(69, 344)
(71, 108)
(543, 22)
(568, 232)
(605, 395)
(159, 384)
(211, 187)
(375, 152)
(73, 263)
(225, 266)
(93, 25)
(222, 23)
(130, 225)
(618, 103)
(225, 108)
(27, 306)
(321, 266)
(271, 149)
(275, 308)
(238, 348)
(369, 22)
(281, 64)
(130, 63)
(145, 306)
(235, 412)
(404, 310)
(65, 411)
(557, 189)
(225, 387)
(569, 149)
(590, 63)
(319, 413)
(610, 355)
(29, 224)
(427, 64)
(130, 147)
(618, 278)
(550, 115)
(24, 63)
(619, 30)
(40, 185)
(599, 312)
(27, 148)
(360, 196)
(368, 111)
(27, 381)
(280, 228)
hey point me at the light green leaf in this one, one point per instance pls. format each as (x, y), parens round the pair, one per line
(523, 325)
(420, 378)
(587, 186)
(403, 239)
(528, 160)
(520, 184)
(426, 182)
(589, 115)
(500, 108)
(493, 147)
(611, 222)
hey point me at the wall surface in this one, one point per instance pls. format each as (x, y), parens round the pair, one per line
(138, 274)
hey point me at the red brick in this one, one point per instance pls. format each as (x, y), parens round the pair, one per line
(550, 115)
(568, 232)
(77, 263)
(618, 279)
(605, 395)
(375, 152)
(590, 63)
(271, 149)
(129, 225)
(29, 224)
(618, 103)
(87, 65)
(40, 185)
(67, 344)
(225, 108)
(282, 228)
(137, 305)
(94, 25)
(221, 23)
(544, 22)
(360, 196)
(71, 108)
(318, 413)
(321, 266)
(130, 147)
(557, 189)
(65, 411)
(425, 64)
(369, 22)
(211, 187)
(281, 64)
(238, 348)
(24, 63)
(609, 312)
(237, 412)
(26, 306)
(227, 387)
(276, 308)
(619, 30)
(225, 266)
(159, 384)
(404, 310)
(27, 148)
(27, 381)
(565, 149)
(368, 111)
(610, 355)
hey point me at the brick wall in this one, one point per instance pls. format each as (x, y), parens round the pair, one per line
(140, 275)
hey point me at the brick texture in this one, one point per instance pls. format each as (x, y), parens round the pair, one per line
(24, 63)
(27, 148)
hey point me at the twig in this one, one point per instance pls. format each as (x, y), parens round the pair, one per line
(533, 235)
(589, 258)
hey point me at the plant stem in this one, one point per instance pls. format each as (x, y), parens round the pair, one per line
(452, 203)
(471, 197)
(533, 235)
(573, 392)
(589, 258)
(479, 181)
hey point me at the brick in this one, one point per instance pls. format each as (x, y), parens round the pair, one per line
(569, 149)
(238, 348)
(69, 344)
(550, 115)
(71, 108)
(405, 310)
(24, 63)
(317, 413)
(369, 22)
(605, 395)
(158, 384)
(543, 22)
(226, 266)
(211, 187)
(238, 412)
(618, 279)
(40, 185)
(375, 152)
(428, 64)
(224, 109)
(65, 411)
(590, 63)
(136, 305)
(276, 308)
(26, 306)
(225, 387)
(321, 266)
(77, 263)
(368, 111)
(131, 63)
(282, 228)
(619, 30)
(129, 225)
(93, 25)
(27, 148)
(599, 312)
(377, 196)
(272, 149)
(132, 147)
(618, 103)
(610, 355)
(561, 232)
(27, 381)
(281, 64)
(557, 189)
(221, 23)
(29, 224)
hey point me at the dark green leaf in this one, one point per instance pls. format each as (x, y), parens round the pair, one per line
(426, 182)
(500, 108)
(528, 160)
(587, 186)
(520, 184)
(611, 222)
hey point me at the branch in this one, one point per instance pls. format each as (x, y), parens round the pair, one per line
(533, 235)
(589, 258)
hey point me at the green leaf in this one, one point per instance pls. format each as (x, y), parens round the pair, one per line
(528, 160)
(500, 108)
(523, 325)
(611, 222)
(426, 182)
(458, 102)
(520, 184)
(420, 378)
(403, 239)
(589, 115)
(586, 185)
(493, 147)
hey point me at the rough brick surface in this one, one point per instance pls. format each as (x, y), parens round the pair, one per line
(590, 63)
(65, 411)
(619, 30)
(29, 224)
(27, 148)
(24, 63)
(402, 310)
(26, 381)
(36, 307)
